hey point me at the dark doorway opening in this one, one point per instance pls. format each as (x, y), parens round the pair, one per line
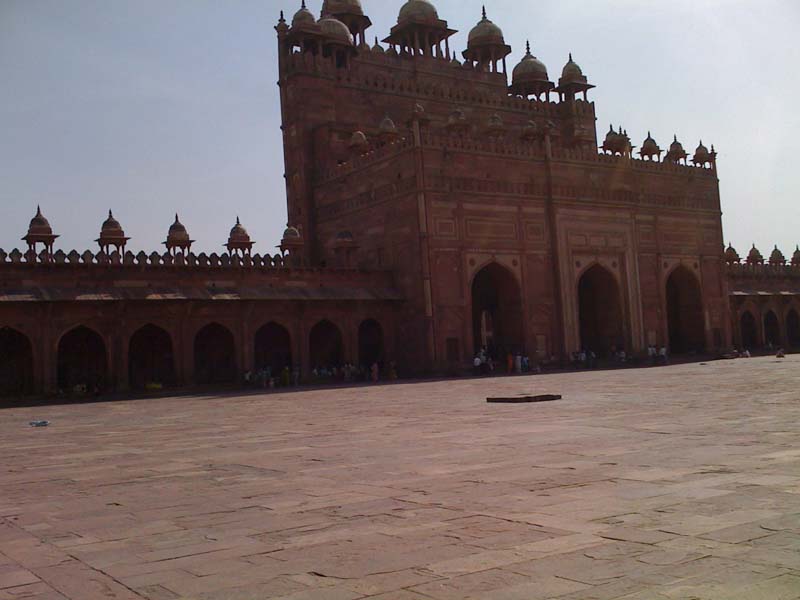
(793, 329)
(82, 362)
(749, 331)
(685, 313)
(370, 343)
(273, 350)
(772, 330)
(600, 310)
(496, 312)
(214, 355)
(16, 364)
(326, 349)
(151, 361)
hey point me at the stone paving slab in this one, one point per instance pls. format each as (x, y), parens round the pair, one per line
(676, 482)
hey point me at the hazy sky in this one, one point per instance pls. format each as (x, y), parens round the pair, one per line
(149, 107)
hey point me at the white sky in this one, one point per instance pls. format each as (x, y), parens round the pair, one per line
(149, 107)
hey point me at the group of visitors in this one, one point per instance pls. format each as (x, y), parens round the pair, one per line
(485, 363)
(267, 377)
(657, 356)
(351, 372)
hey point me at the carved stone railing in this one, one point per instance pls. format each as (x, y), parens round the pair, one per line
(374, 156)
(765, 271)
(154, 259)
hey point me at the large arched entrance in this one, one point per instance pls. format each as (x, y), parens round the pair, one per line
(370, 343)
(214, 355)
(685, 313)
(16, 363)
(150, 358)
(793, 329)
(496, 311)
(772, 330)
(600, 312)
(82, 362)
(325, 346)
(749, 330)
(273, 349)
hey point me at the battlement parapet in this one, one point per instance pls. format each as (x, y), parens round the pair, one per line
(763, 271)
(583, 155)
(356, 163)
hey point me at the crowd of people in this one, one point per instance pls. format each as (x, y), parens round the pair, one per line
(269, 377)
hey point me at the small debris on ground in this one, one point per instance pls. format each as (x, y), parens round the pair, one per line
(39, 423)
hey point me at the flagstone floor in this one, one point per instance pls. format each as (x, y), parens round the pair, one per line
(677, 482)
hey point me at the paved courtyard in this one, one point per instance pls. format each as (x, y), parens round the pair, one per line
(678, 482)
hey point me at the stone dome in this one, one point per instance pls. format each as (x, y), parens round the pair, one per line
(418, 10)
(649, 145)
(755, 257)
(238, 233)
(731, 256)
(572, 73)
(796, 257)
(177, 232)
(377, 47)
(777, 257)
(291, 233)
(485, 32)
(530, 68)
(358, 139)
(334, 29)
(676, 146)
(111, 227)
(337, 7)
(39, 225)
(387, 125)
(303, 17)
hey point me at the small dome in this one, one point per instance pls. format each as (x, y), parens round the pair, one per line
(530, 68)
(418, 10)
(649, 145)
(377, 47)
(111, 227)
(291, 233)
(571, 73)
(387, 125)
(530, 131)
(177, 232)
(238, 233)
(777, 257)
(456, 117)
(755, 257)
(495, 122)
(344, 236)
(338, 7)
(796, 257)
(39, 225)
(334, 29)
(358, 139)
(485, 32)
(731, 256)
(303, 17)
(676, 146)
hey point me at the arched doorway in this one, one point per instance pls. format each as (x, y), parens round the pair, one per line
(214, 355)
(600, 312)
(749, 331)
(150, 358)
(325, 346)
(685, 312)
(273, 349)
(793, 329)
(370, 343)
(496, 311)
(772, 330)
(16, 363)
(82, 362)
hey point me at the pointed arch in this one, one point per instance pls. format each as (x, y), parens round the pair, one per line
(82, 361)
(326, 347)
(273, 348)
(214, 355)
(793, 328)
(748, 328)
(370, 343)
(497, 323)
(772, 329)
(151, 358)
(16, 363)
(600, 311)
(685, 321)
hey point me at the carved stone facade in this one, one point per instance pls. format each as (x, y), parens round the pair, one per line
(436, 207)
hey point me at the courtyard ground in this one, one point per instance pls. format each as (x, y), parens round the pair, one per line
(677, 482)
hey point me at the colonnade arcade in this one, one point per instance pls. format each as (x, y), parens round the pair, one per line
(771, 324)
(88, 358)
